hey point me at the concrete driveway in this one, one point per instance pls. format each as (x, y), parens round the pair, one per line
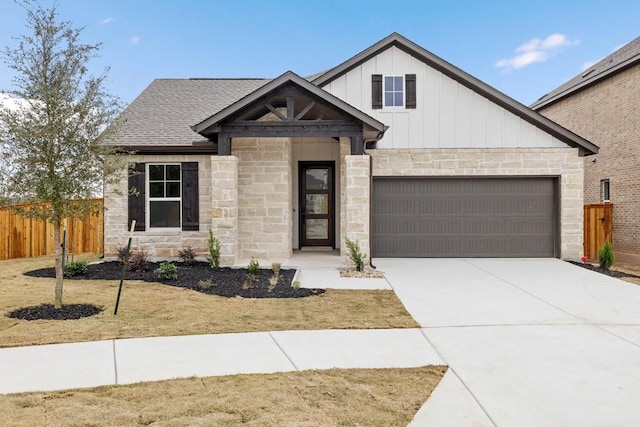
(529, 342)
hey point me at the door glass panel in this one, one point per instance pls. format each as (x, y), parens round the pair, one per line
(317, 204)
(317, 229)
(317, 179)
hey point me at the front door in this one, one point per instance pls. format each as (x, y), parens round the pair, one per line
(316, 204)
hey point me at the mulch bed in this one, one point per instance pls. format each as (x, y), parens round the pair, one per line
(224, 282)
(612, 273)
(49, 312)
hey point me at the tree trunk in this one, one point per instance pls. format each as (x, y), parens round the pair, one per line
(58, 261)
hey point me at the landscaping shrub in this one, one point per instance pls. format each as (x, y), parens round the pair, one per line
(254, 265)
(214, 250)
(167, 271)
(355, 254)
(273, 280)
(138, 261)
(75, 268)
(123, 254)
(606, 255)
(187, 255)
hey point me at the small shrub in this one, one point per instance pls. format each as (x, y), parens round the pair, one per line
(214, 251)
(123, 254)
(606, 255)
(249, 281)
(254, 265)
(273, 280)
(75, 268)
(355, 254)
(138, 261)
(205, 284)
(167, 271)
(187, 255)
(296, 285)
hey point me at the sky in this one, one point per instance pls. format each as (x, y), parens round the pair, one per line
(523, 48)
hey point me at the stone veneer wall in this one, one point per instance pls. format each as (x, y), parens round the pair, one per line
(224, 206)
(159, 243)
(356, 201)
(562, 162)
(265, 223)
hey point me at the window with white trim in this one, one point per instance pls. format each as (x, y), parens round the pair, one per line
(393, 89)
(605, 190)
(164, 187)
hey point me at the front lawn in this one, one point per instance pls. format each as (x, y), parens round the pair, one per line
(154, 309)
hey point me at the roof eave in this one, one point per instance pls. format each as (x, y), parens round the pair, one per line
(545, 102)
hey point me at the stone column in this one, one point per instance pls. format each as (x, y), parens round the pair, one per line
(224, 206)
(357, 205)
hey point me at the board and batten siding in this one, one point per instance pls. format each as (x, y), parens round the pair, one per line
(448, 114)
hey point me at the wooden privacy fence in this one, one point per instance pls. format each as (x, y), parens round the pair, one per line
(24, 237)
(598, 227)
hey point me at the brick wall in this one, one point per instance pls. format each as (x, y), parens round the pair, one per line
(562, 162)
(607, 114)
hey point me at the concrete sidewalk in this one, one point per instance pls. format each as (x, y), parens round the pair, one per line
(91, 364)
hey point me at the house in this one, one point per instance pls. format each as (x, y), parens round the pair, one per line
(602, 104)
(394, 148)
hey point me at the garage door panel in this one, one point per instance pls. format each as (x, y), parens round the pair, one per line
(495, 217)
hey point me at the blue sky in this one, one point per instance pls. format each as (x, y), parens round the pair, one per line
(522, 48)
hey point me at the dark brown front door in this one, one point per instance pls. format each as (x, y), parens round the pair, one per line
(316, 204)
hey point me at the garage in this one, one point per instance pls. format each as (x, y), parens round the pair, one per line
(464, 217)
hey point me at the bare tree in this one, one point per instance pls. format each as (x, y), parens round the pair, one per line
(53, 136)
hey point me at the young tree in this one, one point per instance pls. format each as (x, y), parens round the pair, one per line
(53, 136)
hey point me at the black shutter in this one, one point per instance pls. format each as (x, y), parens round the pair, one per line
(410, 95)
(136, 196)
(376, 91)
(190, 200)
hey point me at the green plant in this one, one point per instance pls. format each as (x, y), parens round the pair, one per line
(123, 254)
(276, 266)
(296, 285)
(187, 255)
(75, 268)
(214, 251)
(355, 254)
(167, 271)
(606, 255)
(138, 261)
(254, 265)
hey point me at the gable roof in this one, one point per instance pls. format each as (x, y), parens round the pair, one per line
(476, 85)
(288, 77)
(623, 58)
(163, 113)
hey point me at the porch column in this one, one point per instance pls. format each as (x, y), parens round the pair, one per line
(224, 206)
(357, 205)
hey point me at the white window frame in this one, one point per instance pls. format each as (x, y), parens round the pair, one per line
(605, 189)
(161, 199)
(384, 91)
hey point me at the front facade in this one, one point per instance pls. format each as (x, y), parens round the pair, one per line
(394, 148)
(601, 104)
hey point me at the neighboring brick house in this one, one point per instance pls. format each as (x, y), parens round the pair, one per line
(602, 104)
(394, 148)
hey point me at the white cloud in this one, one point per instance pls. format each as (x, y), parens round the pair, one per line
(536, 50)
(134, 40)
(106, 20)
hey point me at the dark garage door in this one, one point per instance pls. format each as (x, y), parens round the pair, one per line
(450, 217)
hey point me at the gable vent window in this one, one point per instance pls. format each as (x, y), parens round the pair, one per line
(393, 91)
(605, 190)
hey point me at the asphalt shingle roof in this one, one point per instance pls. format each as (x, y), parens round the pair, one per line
(163, 113)
(625, 56)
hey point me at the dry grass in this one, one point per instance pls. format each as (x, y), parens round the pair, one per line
(364, 397)
(148, 309)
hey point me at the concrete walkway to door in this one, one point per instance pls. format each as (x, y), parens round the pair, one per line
(534, 342)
